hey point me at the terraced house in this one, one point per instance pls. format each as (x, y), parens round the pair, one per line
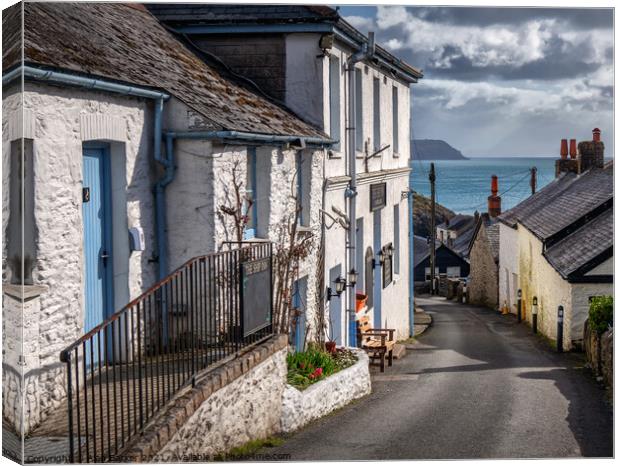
(158, 174)
(557, 245)
(132, 150)
(331, 75)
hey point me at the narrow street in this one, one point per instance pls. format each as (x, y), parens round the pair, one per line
(475, 385)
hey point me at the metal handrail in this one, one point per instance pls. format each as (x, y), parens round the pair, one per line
(123, 371)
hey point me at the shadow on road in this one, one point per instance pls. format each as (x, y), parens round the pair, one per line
(586, 414)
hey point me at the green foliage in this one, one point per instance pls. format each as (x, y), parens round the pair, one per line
(344, 358)
(249, 449)
(601, 315)
(314, 364)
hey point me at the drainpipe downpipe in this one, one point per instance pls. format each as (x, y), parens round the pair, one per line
(160, 188)
(411, 252)
(366, 52)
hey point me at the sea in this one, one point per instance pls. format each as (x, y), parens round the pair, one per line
(464, 185)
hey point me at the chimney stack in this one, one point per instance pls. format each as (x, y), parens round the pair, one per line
(564, 164)
(591, 153)
(573, 148)
(563, 149)
(495, 202)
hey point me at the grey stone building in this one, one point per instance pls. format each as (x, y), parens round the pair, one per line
(482, 288)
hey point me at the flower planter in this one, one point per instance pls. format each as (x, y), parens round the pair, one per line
(360, 301)
(319, 399)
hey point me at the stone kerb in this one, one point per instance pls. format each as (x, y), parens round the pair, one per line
(301, 407)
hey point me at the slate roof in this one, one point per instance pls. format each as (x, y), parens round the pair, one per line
(209, 14)
(178, 13)
(422, 248)
(127, 43)
(562, 202)
(458, 222)
(491, 227)
(460, 244)
(582, 246)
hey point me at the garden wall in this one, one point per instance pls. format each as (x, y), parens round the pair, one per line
(602, 362)
(235, 403)
(301, 407)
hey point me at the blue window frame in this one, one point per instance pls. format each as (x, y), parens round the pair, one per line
(299, 321)
(376, 111)
(251, 191)
(300, 188)
(334, 100)
(395, 148)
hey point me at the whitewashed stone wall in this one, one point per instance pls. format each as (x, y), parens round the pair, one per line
(63, 119)
(249, 408)
(203, 183)
(301, 407)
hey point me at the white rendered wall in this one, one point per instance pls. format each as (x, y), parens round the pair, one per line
(508, 264)
(63, 119)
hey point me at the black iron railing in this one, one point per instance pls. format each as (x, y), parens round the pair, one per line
(122, 372)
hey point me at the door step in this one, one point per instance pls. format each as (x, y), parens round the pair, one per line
(399, 351)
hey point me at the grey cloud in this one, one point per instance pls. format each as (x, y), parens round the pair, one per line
(578, 18)
(561, 60)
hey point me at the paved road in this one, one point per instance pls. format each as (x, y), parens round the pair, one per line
(476, 385)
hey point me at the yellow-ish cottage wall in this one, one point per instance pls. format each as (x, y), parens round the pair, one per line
(538, 278)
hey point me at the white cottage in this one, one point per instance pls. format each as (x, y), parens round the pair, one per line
(299, 55)
(129, 145)
(557, 245)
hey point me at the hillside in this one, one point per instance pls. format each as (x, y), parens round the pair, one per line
(434, 149)
(422, 214)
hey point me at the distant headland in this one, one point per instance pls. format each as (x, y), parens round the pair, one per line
(434, 149)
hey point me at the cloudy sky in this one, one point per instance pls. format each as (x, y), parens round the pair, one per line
(502, 81)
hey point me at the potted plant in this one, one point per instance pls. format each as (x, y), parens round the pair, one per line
(360, 301)
(330, 345)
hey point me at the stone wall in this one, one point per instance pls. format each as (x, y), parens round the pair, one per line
(59, 121)
(482, 288)
(301, 407)
(601, 362)
(233, 404)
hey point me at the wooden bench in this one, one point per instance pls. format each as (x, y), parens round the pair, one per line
(377, 342)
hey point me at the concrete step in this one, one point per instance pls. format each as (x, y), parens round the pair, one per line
(422, 318)
(399, 351)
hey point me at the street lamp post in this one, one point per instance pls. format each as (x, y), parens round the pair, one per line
(519, 305)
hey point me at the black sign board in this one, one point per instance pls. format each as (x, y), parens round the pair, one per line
(255, 295)
(377, 196)
(387, 267)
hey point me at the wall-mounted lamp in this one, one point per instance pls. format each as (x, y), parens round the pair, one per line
(352, 277)
(380, 261)
(339, 286)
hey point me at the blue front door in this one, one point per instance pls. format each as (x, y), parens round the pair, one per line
(97, 236)
(376, 244)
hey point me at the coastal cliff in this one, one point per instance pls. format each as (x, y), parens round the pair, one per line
(434, 149)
